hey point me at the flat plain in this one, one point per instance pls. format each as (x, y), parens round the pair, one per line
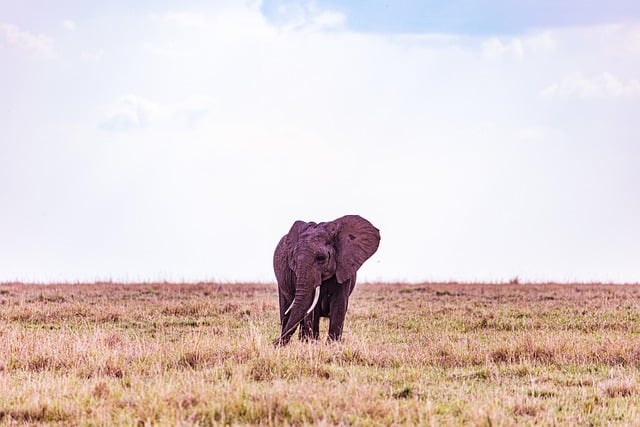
(411, 354)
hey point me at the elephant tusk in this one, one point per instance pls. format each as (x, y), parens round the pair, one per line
(290, 307)
(315, 300)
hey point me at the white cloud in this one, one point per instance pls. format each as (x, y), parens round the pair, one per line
(537, 134)
(307, 16)
(133, 112)
(169, 49)
(38, 45)
(69, 24)
(329, 19)
(191, 109)
(599, 86)
(542, 41)
(634, 41)
(494, 48)
(193, 36)
(92, 56)
(184, 19)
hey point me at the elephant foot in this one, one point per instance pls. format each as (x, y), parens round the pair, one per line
(334, 338)
(281, 341)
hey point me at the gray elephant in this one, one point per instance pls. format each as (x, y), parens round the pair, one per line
(323, 258)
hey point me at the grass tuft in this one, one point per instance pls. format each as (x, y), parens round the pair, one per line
(618, 387)
(525, 409)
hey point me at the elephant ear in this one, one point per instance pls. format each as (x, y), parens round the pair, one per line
(356, 240)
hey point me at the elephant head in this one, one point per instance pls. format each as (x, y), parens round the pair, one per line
(313, 253)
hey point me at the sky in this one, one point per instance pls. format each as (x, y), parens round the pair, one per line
(159, 140)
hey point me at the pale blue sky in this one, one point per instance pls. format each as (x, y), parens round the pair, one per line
(471, 17)
(180, 140)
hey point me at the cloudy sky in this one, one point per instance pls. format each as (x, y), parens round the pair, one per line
(180, 140)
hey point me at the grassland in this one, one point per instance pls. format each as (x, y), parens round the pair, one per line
(432, 354)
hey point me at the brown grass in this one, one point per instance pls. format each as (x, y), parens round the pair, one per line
(201, 354)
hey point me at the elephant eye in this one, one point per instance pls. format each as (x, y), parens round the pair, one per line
(321, 258)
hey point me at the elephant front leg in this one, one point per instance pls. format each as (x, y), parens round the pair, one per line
(337, 313)
(284, 317)
(335, 325)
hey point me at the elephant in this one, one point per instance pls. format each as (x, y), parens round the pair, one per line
(315, 266)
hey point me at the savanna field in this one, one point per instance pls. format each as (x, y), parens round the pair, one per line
(429, 354)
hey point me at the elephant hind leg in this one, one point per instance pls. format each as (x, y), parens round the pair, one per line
(338, 310)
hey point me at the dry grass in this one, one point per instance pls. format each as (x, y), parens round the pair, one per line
(201, 354)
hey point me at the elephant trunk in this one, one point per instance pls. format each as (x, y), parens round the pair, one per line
(313, 304)
(303, 303)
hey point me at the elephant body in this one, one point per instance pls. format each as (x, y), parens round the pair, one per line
(315, 266)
